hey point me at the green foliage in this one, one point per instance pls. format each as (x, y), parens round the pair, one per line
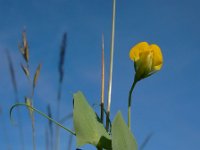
(122, 138)
(89, 129)
(87, 125)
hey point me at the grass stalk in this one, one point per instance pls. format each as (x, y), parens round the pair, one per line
(24, 50)
(111, 64)
(146, 141)
(33, 131)
(102, 81)
(14, 84)
(61, 76)
(47, 139)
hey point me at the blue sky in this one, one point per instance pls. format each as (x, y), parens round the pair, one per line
(165, 104)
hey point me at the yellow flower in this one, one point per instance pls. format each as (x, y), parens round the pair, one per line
(147, 59)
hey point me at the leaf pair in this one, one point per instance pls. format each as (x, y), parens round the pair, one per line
(89, 129)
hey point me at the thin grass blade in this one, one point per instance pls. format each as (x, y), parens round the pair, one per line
(146, 141)
(61, 77)
(25, 70)
(14, 84)
(37, 73)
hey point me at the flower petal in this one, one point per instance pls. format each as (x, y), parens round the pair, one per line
(156, 68)
(144, 65)
(137, 49)
(157, 56)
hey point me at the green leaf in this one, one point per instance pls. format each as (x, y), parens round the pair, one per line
(122, 138)
(87, 125)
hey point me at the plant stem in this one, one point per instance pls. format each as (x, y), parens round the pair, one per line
(61, 77)
(41, 113)
(47, 139)
(21, 129)
(14, 83)
(32, 117)
(102, 81)
(33, 132)
(129, 103)
(57, 144)
(111, 64)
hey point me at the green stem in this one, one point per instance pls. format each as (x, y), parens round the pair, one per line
(41, 113)
(104, 111)
(129, 103)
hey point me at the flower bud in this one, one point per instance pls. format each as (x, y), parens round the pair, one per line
(147, 59)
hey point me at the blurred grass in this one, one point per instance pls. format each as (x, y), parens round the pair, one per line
(14, 84)
(60, 81)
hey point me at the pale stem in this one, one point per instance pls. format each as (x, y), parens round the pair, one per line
(33, 132)
(102, 81)
(111, 64)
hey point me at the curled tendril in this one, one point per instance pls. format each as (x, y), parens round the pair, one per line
(41, 113)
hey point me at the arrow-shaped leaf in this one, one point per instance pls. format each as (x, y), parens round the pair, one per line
(122, 138)
(87, 125)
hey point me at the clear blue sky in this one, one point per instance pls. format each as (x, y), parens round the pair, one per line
(166, 104)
